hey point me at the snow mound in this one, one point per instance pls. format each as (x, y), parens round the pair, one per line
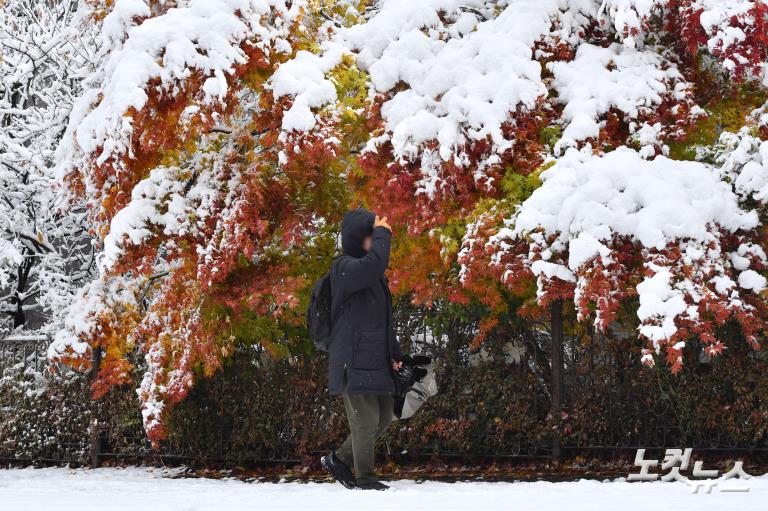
(304, 78)
(674, 212)
(655, 202)
(462, 81)
(202, 36)
(599, 80)
(744, 160)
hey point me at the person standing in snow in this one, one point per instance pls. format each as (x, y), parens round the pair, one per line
(363, 352)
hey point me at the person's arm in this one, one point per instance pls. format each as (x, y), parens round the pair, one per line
(356, 274)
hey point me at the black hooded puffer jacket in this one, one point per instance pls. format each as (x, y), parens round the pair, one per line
(363, 342)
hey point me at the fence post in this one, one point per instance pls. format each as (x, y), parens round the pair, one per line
(94, 436)
(95, 440)
(556, 363)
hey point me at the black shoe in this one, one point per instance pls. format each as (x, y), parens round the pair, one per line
(338, 469)
(378, 485)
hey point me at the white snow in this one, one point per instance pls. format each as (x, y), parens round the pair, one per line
(716, 19)
(452, 74)
(750, 279)
(45, 50)
(584, 248)
(96, 298)
(463, 75)
(304, 78)
(586, 201)
(199, 36)
(744, 160)
(161, 190)
(660, 300)
(551, 270)
(462, 85)
(654, 202)
(729, 24)
(130, 489)
(598, 80)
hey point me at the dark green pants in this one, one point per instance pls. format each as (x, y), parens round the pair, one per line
(369, 416)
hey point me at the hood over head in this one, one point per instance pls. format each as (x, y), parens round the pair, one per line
(356, 226)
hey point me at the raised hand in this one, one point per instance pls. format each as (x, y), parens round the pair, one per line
(381, 222)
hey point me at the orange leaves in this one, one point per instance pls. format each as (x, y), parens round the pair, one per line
(686, 292)
(479, 271)
(607, 283)
(179, 337)
(266, 290)
(485, 326)
(112, 371)
(104, 318)
(418, 269)
(218, 217)
(200, 202)
(428, 195)
(528, 151)
(427, 190)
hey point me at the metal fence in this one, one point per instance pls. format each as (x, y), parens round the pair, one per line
(94, 445)
(29, 350)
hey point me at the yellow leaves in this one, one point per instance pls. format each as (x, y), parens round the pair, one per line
(517, 187)
(724, 113)
(345, 13)
(351, 83)
(351, 86)
(99, 8)
(450, 235)
(256, 77)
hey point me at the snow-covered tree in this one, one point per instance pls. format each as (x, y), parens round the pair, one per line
(602, 229)
(46, 49)
(211, 222)
(465, 95)
(218, 141)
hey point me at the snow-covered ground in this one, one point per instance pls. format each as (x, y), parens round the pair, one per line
(153, 490)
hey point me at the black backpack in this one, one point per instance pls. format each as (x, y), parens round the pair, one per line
(319, 313)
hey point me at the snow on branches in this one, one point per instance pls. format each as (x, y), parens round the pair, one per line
(444, 77)
(180, 65)
(648, 91)
(744, 160)
(736, 34)
(462, 79)
(463, 94)
(630, 18)
(218, 141)
(602, 229)
(734, 31)
(46, 49)
(176, 147)
(460, 91)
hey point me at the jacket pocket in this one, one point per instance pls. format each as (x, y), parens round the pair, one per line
(370, 351)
